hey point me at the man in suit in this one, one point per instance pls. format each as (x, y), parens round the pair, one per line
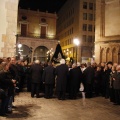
(88, 75)
(36, 73)
(61, 81)
(48, 78)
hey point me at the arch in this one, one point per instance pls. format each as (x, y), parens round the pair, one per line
(22, 52)
(108, 55)
(40, 53)
(114, 55)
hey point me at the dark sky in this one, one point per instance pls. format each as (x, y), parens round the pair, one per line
(43, 5)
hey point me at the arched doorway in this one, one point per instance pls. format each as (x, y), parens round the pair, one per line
(108, 55)
(114, 56)
(22, 51)
(40, 53)
(102, 55)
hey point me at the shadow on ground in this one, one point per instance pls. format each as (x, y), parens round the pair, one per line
(22, 111)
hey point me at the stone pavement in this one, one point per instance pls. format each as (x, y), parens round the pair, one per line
(52, 109)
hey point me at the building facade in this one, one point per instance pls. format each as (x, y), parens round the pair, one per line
(107, 34)
(36, 31)
(76, 19)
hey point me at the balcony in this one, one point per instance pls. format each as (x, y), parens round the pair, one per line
(38, 36)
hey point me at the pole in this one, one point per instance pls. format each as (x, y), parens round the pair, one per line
(76, 54)
(16, 45)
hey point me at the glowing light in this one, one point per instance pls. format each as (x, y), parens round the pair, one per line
(76, 41)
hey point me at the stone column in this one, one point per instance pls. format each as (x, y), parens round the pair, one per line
(8, 27)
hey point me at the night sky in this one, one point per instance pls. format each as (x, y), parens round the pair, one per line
(43, 5)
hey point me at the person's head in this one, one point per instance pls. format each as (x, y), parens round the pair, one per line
(78, 63)
(109, 64)
(113, 68)
(102, 64)
(88, 64)
(98, 68)
(49, 63)
(37, 62)
(62, 61)
(106, 67)
(115, 64)
(5, 66)
(13, 60)
(19, 62)
(74, 65)
(118, 68)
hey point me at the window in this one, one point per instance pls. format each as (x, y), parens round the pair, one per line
(43, 31)
(84, 27)
(90, 16)
(23, 29)
(89, 38)
(89, 27)
(84, 16)
(84, 5)
(84, 38)
(91, 6)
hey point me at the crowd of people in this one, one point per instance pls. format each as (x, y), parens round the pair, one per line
(63, 80)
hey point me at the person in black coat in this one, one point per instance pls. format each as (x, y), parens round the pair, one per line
(61, 80)
(5, 84)
(97, 81)
(75, 76)
(36, 73)
(116, 85)
(88, 75)
(48, 78)
(14, 73)
(21, 74)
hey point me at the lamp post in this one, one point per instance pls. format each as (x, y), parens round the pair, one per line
(76, 42)
(16, 43)
(19, 51)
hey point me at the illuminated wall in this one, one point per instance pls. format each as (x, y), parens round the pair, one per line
(8, 27)
(35, 21)
(107, 33)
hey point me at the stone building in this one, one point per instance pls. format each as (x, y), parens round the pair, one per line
(76, 19)
(8, 27)
(107, 34)
(36, 31)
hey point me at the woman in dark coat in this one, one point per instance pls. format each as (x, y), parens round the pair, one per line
(61, 81)
(36, 73)
(75, 77)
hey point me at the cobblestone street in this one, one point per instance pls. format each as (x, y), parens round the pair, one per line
(52, 109)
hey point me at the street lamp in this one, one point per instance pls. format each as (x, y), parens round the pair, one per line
(19, 51)
(76, 42)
